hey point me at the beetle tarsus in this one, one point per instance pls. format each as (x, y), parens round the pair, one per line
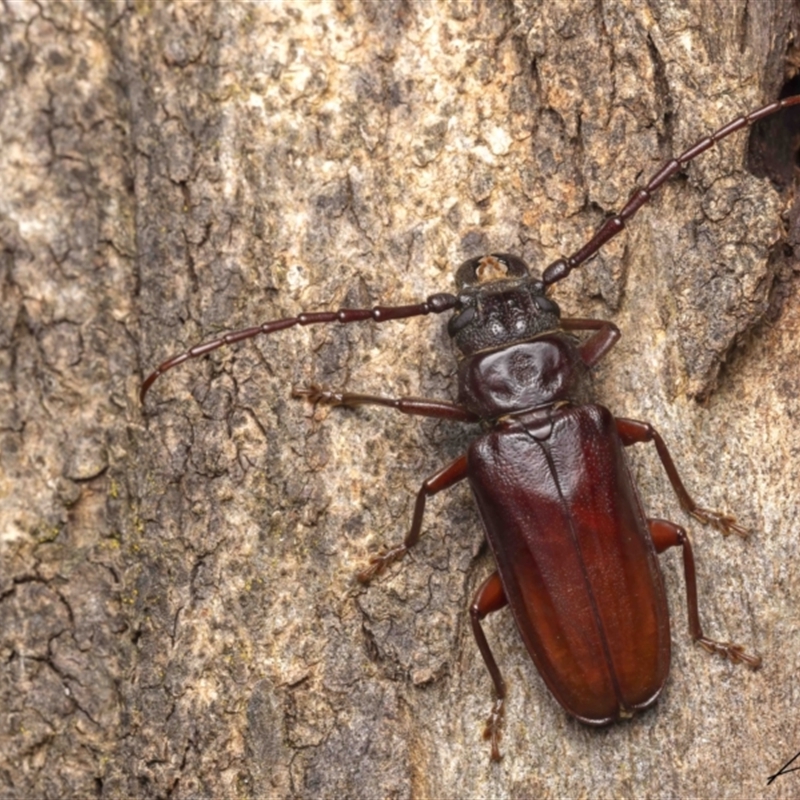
(733, 652)
(317, 395)
(724, 523)
(377, 564)
(492, 731)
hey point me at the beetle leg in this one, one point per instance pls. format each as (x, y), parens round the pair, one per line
(596, 346)
(443, 479)
(418, 406)
(633, 432)
(490, 597)
(667, 534)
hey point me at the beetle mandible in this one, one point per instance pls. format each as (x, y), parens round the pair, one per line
(575, 552)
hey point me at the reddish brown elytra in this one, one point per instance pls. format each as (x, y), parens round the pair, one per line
(576, 555)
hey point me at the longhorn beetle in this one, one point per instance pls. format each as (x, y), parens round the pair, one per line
(575, 552)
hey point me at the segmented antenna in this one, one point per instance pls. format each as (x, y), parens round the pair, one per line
(562, 267)
(438, 303)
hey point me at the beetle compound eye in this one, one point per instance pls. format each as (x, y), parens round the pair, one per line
(547, 305)
(460, 321)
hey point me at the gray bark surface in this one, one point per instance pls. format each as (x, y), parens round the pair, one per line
(178, 613)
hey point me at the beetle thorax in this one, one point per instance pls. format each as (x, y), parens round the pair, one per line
(519, 377)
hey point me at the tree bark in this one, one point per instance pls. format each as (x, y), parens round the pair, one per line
(178, 613)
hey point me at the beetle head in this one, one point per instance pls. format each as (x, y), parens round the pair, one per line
(499, 303)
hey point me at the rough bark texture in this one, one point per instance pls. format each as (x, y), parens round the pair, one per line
(178, 614)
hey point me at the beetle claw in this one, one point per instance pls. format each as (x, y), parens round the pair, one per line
(724, 523)
(492, 731)
(377, 564)
(733, 652)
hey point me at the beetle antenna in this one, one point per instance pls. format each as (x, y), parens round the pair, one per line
(435, 304)
(561, 267)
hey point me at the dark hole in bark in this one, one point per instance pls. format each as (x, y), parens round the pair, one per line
(774, 147)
